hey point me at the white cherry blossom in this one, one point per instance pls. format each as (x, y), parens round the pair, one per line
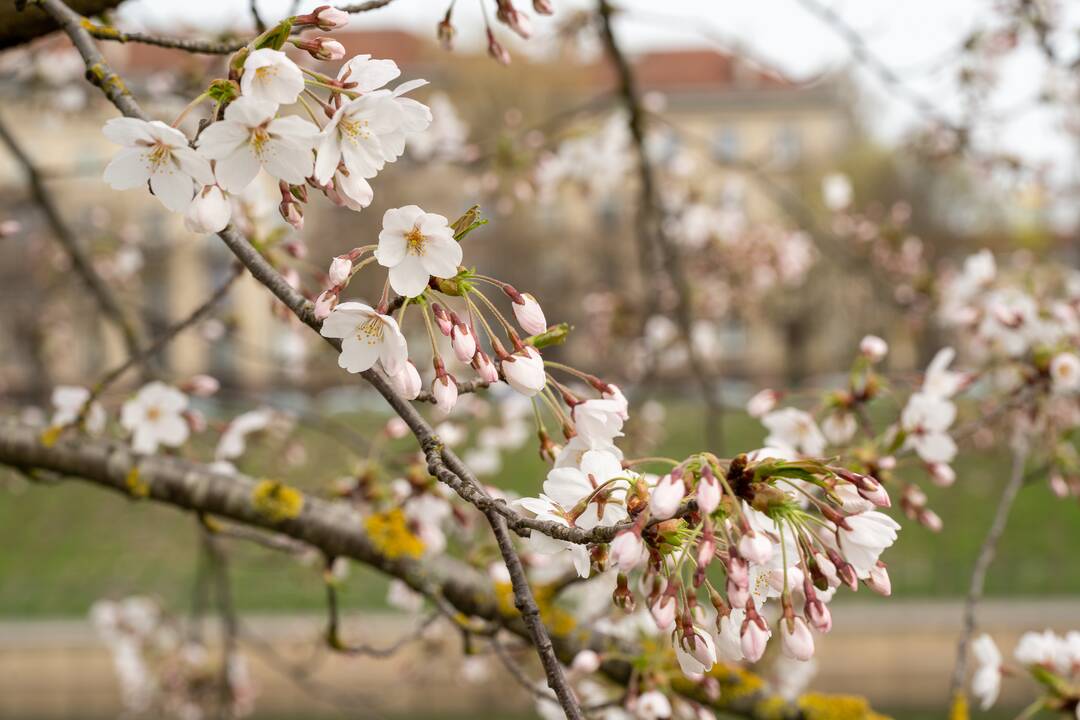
(251, 137)
(158, 154)
(366, 337)
(155, 417)
(270, 76)
(416, 245)
(69, 401)
(795, 429)
(986, 683)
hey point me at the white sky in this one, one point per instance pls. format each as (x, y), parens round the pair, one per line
(914, 37)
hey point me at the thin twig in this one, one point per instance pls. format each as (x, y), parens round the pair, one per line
(80, 259)
(982, 564)
(652, 234)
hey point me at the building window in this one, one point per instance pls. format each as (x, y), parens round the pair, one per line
(787, 146)
(726, 144)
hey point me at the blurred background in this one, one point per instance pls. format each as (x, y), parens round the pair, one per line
(838, 190)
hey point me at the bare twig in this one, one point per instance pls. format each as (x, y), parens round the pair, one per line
(80, 259)
(982, 564)
(652, 234)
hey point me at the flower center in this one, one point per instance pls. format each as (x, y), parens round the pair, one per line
(159, 155)
(266, 73)
(370, 331)
(415, 241)
(354, 129)
(260, 138)
(153, 413)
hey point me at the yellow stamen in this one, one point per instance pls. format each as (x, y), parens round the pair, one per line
(415, 241)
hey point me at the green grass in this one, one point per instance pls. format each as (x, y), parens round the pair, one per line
(68, 545)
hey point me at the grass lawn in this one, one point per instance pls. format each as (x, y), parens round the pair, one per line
(65, 546)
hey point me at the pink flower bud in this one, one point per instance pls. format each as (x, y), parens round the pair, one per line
(396, 428)
(195, 420)
(819, 616)
(626, 550)
(754, 636)
(201, 385)
(525, 372)
(762, 403)
(874, 348)
(497, 51)
(663, 612)
(586, 661)
(666, 497)
(543, 7)
(708, 493)
(942, 474)
(463, 342)
(442, 319)
(879, 580)
(325, 303)
(755, 547)
(930, 520)
(340, 271)
(887, 463)
(292, 214)
(738, 570)
(874, 491)
(209, 211)
(529, 314)
(796, 640)
(444, 389)
(508, 14)
(330, 18)
(738, 595)
(828, 569)
(485, 368)
(407, 382)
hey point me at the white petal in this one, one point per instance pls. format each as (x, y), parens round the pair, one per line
(235, 172)
(129, 169)
(409, 278)
(357, 355)
(173, 188)
(441, 256)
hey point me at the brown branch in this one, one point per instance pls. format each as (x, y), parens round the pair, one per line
(81, 262)
(652, 234)
(168, 336)
(202, 47)
(334, 529)
(982, 564)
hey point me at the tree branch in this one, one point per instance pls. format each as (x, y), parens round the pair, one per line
(982, 564)
(80, 259)
(336, 529)
(653, 238)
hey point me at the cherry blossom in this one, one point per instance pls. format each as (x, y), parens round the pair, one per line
(155, 417)
(366, 337)
(158, 154)
(867, 535)
(70, 402)
(209, 212)
(795, 429)
(524, 371)
(251, 137)
(416, 245)
(986, 683)
(926, 418)
(271, 77)
(1065, 372)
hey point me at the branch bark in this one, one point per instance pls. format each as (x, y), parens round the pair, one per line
(81, 262)
(982, 564)
(336, 530)
(20, 23)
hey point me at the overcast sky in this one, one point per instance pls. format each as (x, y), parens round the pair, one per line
(917, 38)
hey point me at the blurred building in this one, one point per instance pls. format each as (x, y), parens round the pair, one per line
(735, 113)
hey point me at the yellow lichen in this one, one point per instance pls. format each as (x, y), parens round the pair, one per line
(51, 434)
(277, 501)
(559, 621)
(959, 708)
(819, 706)
(136, 486)
(391, 535)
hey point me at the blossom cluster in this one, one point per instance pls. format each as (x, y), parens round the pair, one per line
(343, 143)
(163, 674)
(1051, 660)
